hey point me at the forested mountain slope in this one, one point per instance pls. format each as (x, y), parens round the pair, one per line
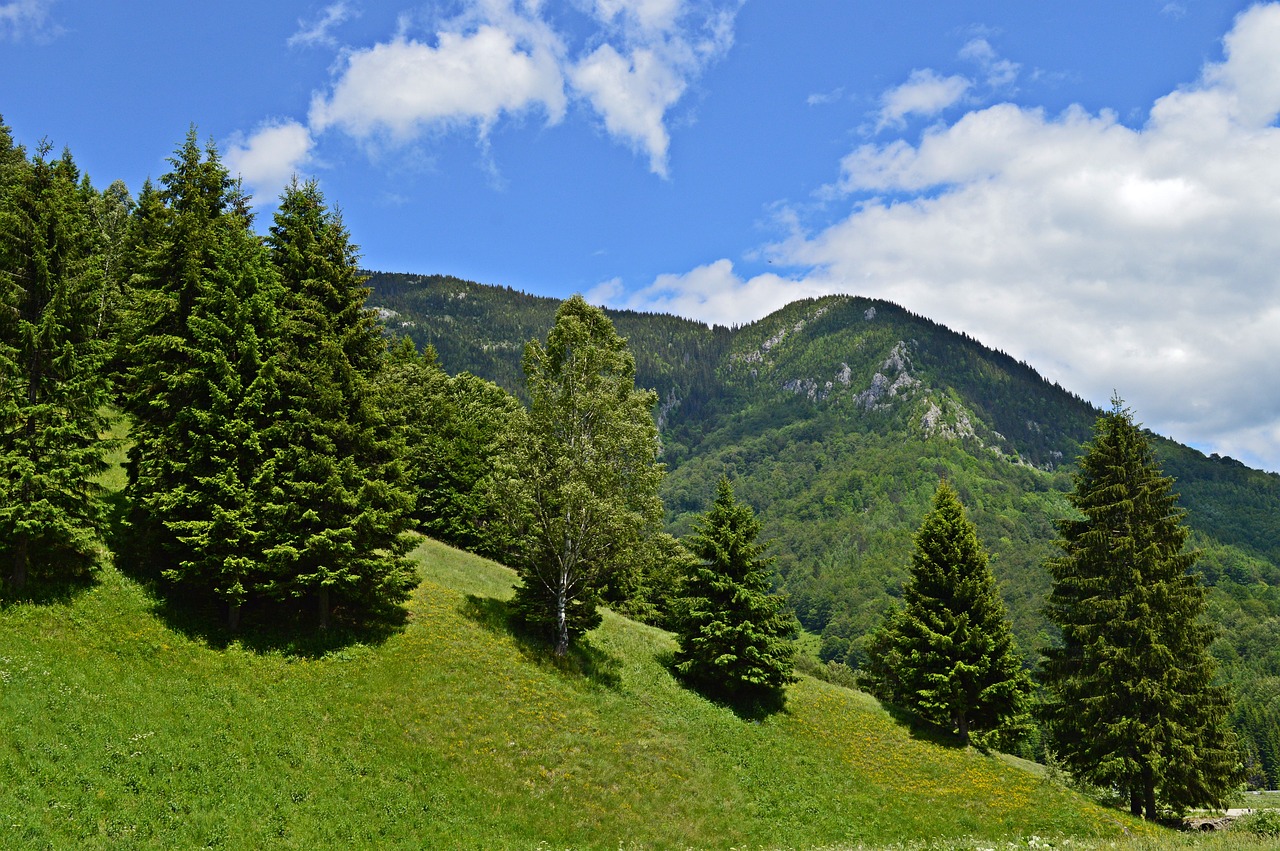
(837, 416)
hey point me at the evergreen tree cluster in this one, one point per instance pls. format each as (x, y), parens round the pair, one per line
(262, 466)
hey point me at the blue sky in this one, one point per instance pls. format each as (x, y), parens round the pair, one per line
(1093, 187)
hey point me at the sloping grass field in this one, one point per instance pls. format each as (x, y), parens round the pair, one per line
(120, 728)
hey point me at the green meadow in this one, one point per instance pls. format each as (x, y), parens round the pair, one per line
(130, 726)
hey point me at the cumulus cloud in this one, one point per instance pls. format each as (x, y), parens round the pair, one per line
(713, 293)
(501, 58)
(822, 98)
(662, 46)
(23, 18)
(268, 157)
(649, 15)
(925, 93)
(398, 88)
(1137, 259)
(319, 32)
(632, 95)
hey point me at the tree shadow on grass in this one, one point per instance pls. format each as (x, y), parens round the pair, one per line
(922, 730)
(754, 705)
(289, 628)
(583, 660)
(41, 592)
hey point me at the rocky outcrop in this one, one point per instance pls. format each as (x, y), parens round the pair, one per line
(958, 426)
(885, 389)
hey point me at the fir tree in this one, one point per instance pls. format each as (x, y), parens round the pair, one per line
(199, 376)
(735, 636)
(1131, 701)
(336, 504)
(52, 383)
(579, 477)
(948, 654)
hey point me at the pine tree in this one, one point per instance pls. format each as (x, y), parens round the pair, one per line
(1131, 702)
(336, 503)
(579, 477)
(198, 377)
(948, 655)
(52, 382)
(735, 636)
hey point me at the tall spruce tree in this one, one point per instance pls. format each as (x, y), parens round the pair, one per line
(1130, 698)
(735, 636)
(578, 480)
(52, 382)
(336, 506)
(948, 655)
(198, 376)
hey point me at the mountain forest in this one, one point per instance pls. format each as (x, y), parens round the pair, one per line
(235, 416)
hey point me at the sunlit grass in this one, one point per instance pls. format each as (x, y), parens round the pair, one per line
(123, 731)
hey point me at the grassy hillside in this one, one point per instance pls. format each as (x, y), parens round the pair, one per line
(124, 729)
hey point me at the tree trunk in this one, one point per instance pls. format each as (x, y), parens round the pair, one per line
(1149, 790)
(323, 606)
(21, 557)
(562, 623)
(962, 724)
(1135, 804)
(233, 617)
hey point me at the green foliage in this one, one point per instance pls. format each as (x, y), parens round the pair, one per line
(53, 384)
(450, 426)
(1131, 701)
(1264, 823)
(199, 377)
(578, 478)
(948, 654)
(735, 637)
(333, 497)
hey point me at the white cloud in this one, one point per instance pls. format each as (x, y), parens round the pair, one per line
(925, 93)
(822, 98)
(650, 15)
(398, 88)
(22, 18)
(606, 292)
(320, 31)
(269, 157)
(1000, 73)
(1142, 260)
(505, 58)
(712, 293)
(661, 47)
(632, 95)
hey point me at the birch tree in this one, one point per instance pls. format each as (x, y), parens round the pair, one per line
(579, 476)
